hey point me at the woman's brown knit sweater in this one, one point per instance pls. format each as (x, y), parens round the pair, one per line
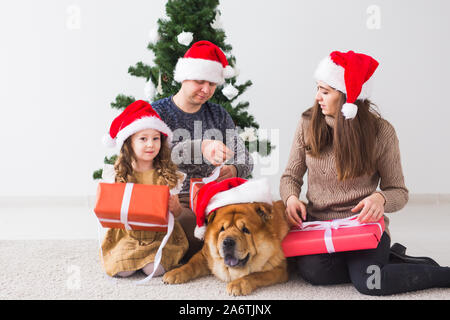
(329, 198)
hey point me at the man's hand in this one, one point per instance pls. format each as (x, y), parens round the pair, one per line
(216, 152)
(372, 208)
(227, 171)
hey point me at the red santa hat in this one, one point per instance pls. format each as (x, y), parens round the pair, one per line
(215, 194)
(136, 117)
(350, 73)
(203, 61)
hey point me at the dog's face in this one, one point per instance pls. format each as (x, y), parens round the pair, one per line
(238, 235)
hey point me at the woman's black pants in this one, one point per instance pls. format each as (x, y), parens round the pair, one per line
(370, 271)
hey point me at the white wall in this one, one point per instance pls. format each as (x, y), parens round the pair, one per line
(57, 82)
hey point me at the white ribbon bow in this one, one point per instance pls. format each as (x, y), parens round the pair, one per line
(333, 224)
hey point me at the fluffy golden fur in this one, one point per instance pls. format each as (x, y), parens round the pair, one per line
(242, 247)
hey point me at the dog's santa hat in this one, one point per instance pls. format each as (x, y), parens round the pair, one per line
(136, 117)
(203, 61)
(215, 194)
(350, 73)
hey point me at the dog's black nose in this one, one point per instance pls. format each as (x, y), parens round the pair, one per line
(228, 243)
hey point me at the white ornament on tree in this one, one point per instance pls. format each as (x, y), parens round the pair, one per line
(248, 135)
(185, 38)
(230, 92)
(159, 87)
(154, 36)
(149, 90)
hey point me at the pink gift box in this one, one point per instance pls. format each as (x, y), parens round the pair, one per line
(332, 236)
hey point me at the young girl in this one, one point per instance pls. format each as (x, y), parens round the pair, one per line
(348, 149)
(144, 158)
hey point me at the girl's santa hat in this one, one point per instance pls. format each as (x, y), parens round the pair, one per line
(350, 73)
(136, 117)
(203, 61)
(215, 194)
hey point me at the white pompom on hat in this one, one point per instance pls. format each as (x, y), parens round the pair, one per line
(136, 117)
(350, 73)
(203, 61)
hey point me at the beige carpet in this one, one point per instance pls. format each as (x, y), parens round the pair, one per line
(70, 269)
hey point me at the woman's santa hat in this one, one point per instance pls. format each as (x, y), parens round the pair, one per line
(136, 117)
(215, 194)
(350, 73)
(203, 61)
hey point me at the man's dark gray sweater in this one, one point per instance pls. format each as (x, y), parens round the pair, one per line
(211, 122)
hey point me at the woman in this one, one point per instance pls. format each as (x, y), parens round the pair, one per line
(348, 149)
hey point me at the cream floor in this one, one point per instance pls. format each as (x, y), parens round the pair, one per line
(46, 244)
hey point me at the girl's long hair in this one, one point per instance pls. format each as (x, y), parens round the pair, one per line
(166, 169)
(353, 141)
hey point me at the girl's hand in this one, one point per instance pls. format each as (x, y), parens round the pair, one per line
(372, 208)
(293, 206)
(174, 205)
(227, 171)
(216, 152)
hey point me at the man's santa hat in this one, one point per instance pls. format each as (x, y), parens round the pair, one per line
(350, 73)
(215, 194)
(136, 117)
(203, 61)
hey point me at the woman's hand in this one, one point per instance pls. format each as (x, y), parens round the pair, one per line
(174, 205)
(227, 171)
(216, 152)
(293, 207)
(372, 208)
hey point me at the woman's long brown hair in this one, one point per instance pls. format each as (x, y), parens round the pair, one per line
(353, 141)
(166, 169)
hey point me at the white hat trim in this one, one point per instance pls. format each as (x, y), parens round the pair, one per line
(142, 124)
(250, 191)
(199, 69)
(333, 75)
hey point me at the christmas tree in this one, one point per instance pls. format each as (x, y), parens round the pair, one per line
(187, 22)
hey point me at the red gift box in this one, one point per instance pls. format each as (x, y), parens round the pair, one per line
(132, 206)
(332, 236)
(196, 184)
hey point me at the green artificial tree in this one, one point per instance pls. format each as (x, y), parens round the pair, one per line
(189, 21)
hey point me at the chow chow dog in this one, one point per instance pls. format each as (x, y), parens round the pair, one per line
(242, 247)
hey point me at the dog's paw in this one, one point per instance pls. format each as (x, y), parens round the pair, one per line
(239, 287)
(176, 276)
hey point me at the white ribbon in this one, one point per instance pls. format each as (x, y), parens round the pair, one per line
(214, 175)
(134, 223)
(333, 224)
(125, 205)
(158, 255)
(124, 220)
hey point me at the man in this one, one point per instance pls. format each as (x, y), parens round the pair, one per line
(204, 133)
